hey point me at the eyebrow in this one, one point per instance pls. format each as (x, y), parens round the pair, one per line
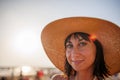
(68, 41)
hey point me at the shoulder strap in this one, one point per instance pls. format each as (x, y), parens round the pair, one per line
(59, 77)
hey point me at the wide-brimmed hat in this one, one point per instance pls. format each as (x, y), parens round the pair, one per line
(108, 33)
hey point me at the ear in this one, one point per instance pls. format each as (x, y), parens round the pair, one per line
(59, 77)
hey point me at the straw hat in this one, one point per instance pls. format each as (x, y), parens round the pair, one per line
(54, 34)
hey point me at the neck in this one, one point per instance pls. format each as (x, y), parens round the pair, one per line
(84, 75)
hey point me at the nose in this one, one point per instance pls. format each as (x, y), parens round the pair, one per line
(75, 52)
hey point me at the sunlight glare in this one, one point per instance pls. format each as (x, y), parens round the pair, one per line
(26, 42)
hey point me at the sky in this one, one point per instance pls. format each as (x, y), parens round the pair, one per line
(21, 23)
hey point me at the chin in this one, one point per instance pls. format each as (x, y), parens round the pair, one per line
(78, 68)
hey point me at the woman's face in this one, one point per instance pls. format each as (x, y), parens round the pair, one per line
(80, 53)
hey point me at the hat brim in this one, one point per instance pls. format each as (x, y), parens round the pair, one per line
(54, 34)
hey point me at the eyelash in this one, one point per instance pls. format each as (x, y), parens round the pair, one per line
(81, 44)
(69, 46)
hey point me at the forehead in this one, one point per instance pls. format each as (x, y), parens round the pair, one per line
(78, 36)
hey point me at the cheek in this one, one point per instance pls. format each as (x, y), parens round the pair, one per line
(68, 56)
(67, 53)
(88, 50)
(90, 53)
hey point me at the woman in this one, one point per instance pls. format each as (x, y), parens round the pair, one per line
(83, 48)
(84, 57)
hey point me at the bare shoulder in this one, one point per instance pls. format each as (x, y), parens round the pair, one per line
(59, 77)
(112, 78)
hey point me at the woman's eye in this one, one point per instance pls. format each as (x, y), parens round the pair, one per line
(69, 46)
(82, 44)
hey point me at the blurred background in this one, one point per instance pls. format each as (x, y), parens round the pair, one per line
(21, 21)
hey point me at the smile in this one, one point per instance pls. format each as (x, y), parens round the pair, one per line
(77, 61)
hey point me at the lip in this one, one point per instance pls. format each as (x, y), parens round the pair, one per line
(77, 61)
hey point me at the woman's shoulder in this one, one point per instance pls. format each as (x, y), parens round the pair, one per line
(59, 77)
(112, 78)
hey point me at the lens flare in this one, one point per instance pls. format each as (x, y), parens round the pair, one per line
(93, 37)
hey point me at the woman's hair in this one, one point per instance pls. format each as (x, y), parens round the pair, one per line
(99, 68)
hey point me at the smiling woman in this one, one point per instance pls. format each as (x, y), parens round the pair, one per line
(82, 47)
(25, 42)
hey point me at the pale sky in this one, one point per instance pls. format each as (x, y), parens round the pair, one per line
(21, 23)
